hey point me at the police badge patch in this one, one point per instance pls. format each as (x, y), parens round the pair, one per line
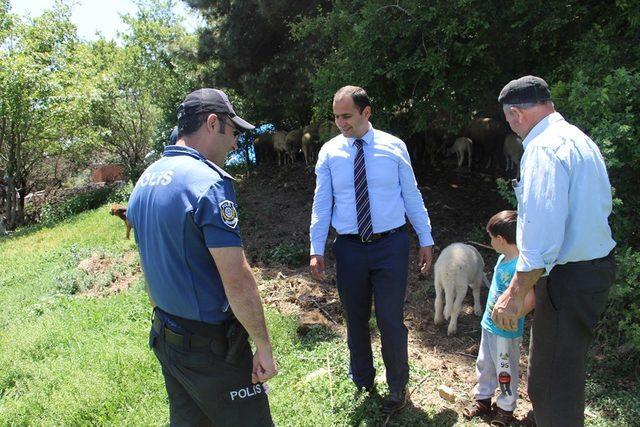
(228, 213)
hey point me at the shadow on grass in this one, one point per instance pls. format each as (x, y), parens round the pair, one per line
(311, 336)
(368, 412)
(613, 388)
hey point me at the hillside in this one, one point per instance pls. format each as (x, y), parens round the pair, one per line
(75, 318)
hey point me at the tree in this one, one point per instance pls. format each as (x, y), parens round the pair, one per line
(42, 99)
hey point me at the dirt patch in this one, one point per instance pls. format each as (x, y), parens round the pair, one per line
(106, 275)
(277, 204)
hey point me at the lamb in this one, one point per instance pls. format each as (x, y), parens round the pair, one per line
(462, 146)
(512, 150)
(458, 266)
(121, 212)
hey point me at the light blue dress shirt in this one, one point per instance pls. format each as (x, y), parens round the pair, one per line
(393, 191)
(564, 198)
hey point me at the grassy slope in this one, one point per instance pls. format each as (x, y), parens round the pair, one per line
(75, 360)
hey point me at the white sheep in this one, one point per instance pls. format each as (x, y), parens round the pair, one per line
(512, 151)
(462, 146)
(458, 267)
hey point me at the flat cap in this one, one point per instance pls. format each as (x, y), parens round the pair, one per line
(524, 90)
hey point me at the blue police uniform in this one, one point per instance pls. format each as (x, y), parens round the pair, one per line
(181, 206)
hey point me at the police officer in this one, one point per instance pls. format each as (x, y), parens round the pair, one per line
(183, 210)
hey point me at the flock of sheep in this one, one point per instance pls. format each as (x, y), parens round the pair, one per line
(485, 139)
(282, 147)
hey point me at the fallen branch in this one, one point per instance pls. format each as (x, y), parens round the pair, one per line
(481, 245)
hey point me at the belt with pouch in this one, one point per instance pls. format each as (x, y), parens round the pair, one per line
(185, 340)
(374, 237)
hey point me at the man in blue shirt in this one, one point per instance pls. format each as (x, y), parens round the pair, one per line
(563, 234)
(365, 187)
(183, 210)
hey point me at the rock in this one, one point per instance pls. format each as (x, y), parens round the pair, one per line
(447, 393)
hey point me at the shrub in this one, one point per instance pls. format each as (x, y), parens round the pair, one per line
(289, 253)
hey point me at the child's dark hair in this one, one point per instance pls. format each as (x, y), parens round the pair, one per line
(504, 224)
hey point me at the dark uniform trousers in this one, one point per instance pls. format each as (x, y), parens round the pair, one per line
(204, 389)
(377, 269)
(568, 306)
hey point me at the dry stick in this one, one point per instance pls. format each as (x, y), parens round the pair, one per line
(482, 245)
(323, 310)
(330, 383)
(466, 354)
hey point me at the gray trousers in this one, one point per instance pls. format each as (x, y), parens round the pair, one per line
(568, 306)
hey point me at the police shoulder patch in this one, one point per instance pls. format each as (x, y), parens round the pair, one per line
(229, 213)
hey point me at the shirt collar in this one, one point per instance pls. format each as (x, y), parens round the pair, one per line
(541, 126)
(183, 150)
(367, 137)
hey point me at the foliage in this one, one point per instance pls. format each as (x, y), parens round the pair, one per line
(258, 58)
(43, 103)
(506, 192)
(89, 199)
(289, 253)
(141, 84)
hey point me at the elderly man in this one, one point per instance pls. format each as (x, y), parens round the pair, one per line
(183, 210)
(365, 185)
(564, 201)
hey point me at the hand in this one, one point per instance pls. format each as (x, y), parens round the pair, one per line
(317, 266)
(507, 310)
(425, 256)
(264, 366)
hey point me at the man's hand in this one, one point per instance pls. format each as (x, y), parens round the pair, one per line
(510, 306)
(507, 310)
(425, 256)
(317, 266)
(264, 366)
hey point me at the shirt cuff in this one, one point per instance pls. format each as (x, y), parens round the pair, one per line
(529, 261)
(425, 239)
(317, 248)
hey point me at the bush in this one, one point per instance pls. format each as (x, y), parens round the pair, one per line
(89, 199)
(289, 253)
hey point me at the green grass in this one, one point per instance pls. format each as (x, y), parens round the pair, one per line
(69, 359)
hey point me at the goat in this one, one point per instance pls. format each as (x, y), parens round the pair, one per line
(121, 212)
(458, 266)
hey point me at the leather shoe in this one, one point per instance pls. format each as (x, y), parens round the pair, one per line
(395, 401)
(370, 391)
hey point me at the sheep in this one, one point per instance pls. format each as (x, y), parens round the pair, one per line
(280, 146)
(462, 146)
(458, 266)
(487, 134)
(512, 151)
(310, 143)
(293, 144)
(263, 148)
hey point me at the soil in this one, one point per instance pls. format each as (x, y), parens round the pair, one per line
(121, 272)
(275, 208)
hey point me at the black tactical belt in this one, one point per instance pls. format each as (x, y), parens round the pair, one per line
(180, 340)
(374, 236)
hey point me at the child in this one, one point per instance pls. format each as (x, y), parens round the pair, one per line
(499, 352)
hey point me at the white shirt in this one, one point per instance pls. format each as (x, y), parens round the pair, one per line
(393, 191)
(564, 197)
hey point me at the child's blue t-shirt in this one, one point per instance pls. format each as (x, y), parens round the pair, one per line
(502, 275)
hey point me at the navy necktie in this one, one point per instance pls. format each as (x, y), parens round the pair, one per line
(363, 209)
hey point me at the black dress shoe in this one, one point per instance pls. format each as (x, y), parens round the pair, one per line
(371, 391)
(395, 401)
